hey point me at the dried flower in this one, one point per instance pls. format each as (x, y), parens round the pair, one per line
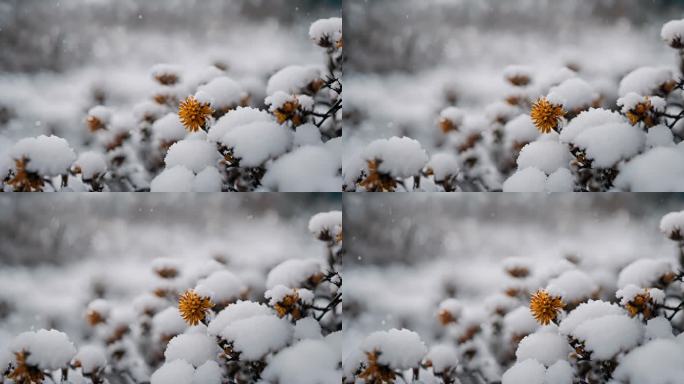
(376, 372)
(546, 115)
(193, 307)
(376, 181)
(94, 124)
(194, 114)
(24, 373)
(545, 307)
(23, 180)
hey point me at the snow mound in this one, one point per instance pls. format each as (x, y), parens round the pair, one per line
(221, 286)
(587, 311)
(572, 286)
(588, 119)
(656, 362)
(443, 166)
(529, 179)
(546, 156)
(610, 143)
(175, 372)
(609, 335)
(175, 179)
(224, 92)
(323, 223)
(545, 347)
(257, 142)
(645, 81)
(529, 371)
(442, 357)
(573, 94)
(307, 362)
(238, 311)
(293, 273)
(673, 32)
(46, 155)
(90, 164)
(399, 348)
(235, 118)
(47, 349)
(659, 136)
(643, 273)
(672, 223)
(168, 322)
(168, 128)
(400, 157)
(194, 348)
(658, 170)
(293, 79)
(194, 155)
(520, 130)
(257, 336)
(326, 30)
(306, 169)
(91, 358)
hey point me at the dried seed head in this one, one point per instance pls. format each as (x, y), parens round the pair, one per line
(544, 307)
(546, 115)
(194, 114)
(193, 307)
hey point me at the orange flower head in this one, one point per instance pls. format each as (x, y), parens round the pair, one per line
(546, 115)
(194, 114)
(193, 307)
(545, 307)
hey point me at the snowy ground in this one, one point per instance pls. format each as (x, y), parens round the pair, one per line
(421, 251)
(108, 246)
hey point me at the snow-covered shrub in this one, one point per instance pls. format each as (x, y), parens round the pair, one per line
(574, 320)
(203, 130)
(550, 130)
(205, 321)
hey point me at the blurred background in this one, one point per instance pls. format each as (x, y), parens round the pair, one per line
(58, 56)
(407, 60)
(60, 251)
(408, 252)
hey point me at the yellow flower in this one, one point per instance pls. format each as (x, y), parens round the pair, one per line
(546, 115)
(545, 307)
(193, 307)
(194, 114)
(289, 305)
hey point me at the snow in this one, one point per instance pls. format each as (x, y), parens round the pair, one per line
(101, 307)
(631, 100)
(559, 373)
(221, 286)
(451, 306)
(47, 155)
(398, 348)
(443, 166)
(208, 180)
(175, 179)
(174, 372)
(165, 69)
(607, 144)
(279, 292)
(442, 358)
(659, 136)
(672, 33)
(307, 328)
(529, 179)
(643, 272)
(630, 291)
(101, 113)
(573, 94)
(592, 309)
(257, 336)
(656, 362)
(293, 273)
(547, 156)
(307, 362)
(238, 311)
(400, 157)
(454, 115)
(48, 349)
(91, 164)
(572, 286)
(672, 223)
(525, 372)
(168, 128)
(235, 118)
(257, 142)
(168, 322)
(588, 119)
(513, 72)
(519, 322)
(546, 347)
(223, 91)
(91, 358)
(307, 134)
(609, 335)
(658, 328)
(329, 223)
(520, 130)
(645, 81)
(326, 29)
(561, 180)
(194, 348)
(657, 170)
(306, 169)
(194, 155)
(207, 373)
(291, 80)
